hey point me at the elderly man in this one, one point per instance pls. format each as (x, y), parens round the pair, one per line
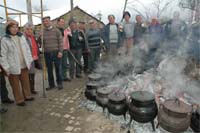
(139, 29)
(112, 36)
(53, 48)
(94, 38)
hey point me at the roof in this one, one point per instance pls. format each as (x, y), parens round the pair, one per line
(54, 14)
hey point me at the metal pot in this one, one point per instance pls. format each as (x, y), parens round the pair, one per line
(195, 121)
(94, 77)
(102, 96)
(117, 104)
(174, 115)
(90, 91)
(143, 107)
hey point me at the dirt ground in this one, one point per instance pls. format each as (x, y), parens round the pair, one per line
(58, 112)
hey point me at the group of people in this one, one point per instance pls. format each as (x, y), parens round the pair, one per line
(64, 47)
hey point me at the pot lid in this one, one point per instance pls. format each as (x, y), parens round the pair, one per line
(104, 90)
(94, 76)
(116, 97)
(177, 106)
(143, 96)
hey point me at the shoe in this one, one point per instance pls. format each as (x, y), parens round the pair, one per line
(67, 79)
(30, 99)
(3, 110)
(60, 87)
(21, 104)
(34, 92)
(50, 88)
(78, 76)
(7, 101)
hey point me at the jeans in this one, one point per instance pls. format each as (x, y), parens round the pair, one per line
(4, 91)
(94, 58)
(65, 65)
(50, 58)
(72, 63)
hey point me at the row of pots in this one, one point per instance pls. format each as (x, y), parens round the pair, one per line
(173, 115)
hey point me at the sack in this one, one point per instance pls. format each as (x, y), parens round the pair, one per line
(38, 64)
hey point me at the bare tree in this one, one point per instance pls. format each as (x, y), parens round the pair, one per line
(194, 6)
(157, 6)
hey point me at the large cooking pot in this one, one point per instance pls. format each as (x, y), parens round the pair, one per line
(90, 91)
(117, 104)
(174, 116)
(143, 107)
(195, 121)
(102, 96)
(94, 77)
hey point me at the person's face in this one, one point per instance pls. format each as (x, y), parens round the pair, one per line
(81, 26)
(73, 26)
(139, 19)
(61, 23)
(46, 22)
(13, 29)
(29, 31)
(93, 25)
(126, 17)
(154, 21)
(111, 19)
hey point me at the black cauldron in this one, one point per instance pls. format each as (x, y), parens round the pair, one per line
(90, 91)
(195, 121)
(117, 104)
(174, 116)
(102, 96)
(143, 107)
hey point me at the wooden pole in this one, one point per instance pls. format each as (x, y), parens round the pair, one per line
(125, 4)
(44, 75)
(29, 10)
(72, 6)
(6, 10)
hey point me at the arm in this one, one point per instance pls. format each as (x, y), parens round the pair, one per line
(3, 56)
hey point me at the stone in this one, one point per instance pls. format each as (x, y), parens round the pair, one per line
(72, 117)
(77, 123)
(71, 101)
(66, 116)
(69, 128)
(71, 121)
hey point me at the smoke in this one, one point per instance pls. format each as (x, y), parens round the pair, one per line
(157, 65)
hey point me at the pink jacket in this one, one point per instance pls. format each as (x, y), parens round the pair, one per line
(67, 32)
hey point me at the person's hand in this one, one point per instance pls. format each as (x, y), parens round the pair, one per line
(59, 55)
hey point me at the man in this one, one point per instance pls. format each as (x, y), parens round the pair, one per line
(128, 28)
(112, 36)
(139, 29)
(75, 50)
(84, 43)
(65, 65)
(94, 38)
(53, 48)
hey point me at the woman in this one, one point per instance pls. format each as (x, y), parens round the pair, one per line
(28, 27)
(15, 60)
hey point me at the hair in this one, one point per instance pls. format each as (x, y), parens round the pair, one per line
(58, 20)
(111, 15)
(71, 21)
(9, 24)
(29, 25)
(46, 17)
(126, 13)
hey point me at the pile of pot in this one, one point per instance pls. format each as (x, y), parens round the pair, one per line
(92, 85)
(174, 115)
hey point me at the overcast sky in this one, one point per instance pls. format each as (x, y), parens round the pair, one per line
(93, 7)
